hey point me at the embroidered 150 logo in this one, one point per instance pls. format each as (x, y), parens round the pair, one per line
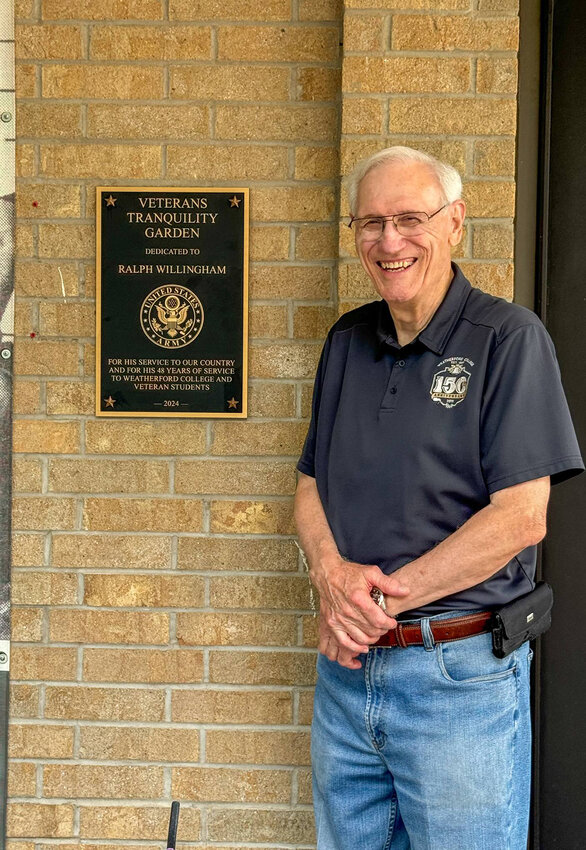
(450, 385)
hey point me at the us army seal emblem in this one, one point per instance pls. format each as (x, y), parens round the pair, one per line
(450, 384)
(171, 316)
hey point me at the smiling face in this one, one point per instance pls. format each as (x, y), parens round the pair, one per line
(410, 271)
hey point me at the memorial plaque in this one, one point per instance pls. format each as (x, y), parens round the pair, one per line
(172, 301)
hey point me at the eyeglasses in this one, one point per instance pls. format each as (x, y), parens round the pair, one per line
(371, 227)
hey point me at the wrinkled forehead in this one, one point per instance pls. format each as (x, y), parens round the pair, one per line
(391, 187)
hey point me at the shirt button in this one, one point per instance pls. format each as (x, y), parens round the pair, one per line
(393, 390)
(400, 362)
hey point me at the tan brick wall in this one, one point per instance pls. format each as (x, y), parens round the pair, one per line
(163, 639)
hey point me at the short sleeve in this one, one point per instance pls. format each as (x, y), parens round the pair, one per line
(306, 462)
(526, 428)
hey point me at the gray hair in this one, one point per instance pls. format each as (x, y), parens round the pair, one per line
(448, 178)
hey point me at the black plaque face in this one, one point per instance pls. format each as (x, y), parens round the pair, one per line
(172, 302)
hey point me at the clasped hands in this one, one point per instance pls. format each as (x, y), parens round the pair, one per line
(349, 620)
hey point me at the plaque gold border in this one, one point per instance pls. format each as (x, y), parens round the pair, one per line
(172, 415)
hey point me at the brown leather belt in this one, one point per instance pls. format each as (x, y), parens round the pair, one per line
(453, 628)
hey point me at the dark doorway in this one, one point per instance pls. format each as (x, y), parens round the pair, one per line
(560, 804)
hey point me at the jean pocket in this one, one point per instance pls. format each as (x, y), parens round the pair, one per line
(471, 660)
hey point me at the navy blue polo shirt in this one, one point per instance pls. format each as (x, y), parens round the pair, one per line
(406, 443)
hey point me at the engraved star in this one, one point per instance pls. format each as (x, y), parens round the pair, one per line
(232, 403)
(234, 201)
(111, 202)
(110, 402)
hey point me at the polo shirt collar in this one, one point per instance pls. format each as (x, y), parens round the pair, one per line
(436, 334)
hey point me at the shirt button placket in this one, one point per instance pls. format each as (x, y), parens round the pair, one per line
(393, 386)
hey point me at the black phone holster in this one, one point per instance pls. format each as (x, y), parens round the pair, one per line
(523, 619)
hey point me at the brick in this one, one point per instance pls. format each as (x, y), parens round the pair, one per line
(310, 624)
(118, 781)
(40, 742)
(22, 779)
(494, 278)
(362, 116)
(143, 591)
(221, 706)
(220, 553)
(316, 163)
(268, 592)
(434, 5)
(146, 744)
(493, 241)
(252, 517)
(227, 162)
(24, 241)
(24, 319)
(136, 822)
(297, 282)
(26, 625)
(320, 10)
(24, 701)
(124, 162)
(37, 513)
(291, 827)
(268, 242)
(70, 397)
(363, 74)
(148, 122)
(284, 361)
(276, 123)
(316, 242)
(490, 199)
(318, 84)
(39, 820)
(125, 82)
(228, 478)
(32, 663)
(269, 400)
(67, 320)
(262, 668)
(312, 322)
(230, 82)
(287, 748)
(89, 359)
(268, 321)
(32, 588)
(48, 42)
(172, 515)
(363, 33)
(91, 627)
(304, 788)
(42, 436)
(305, 707)
(66, 240)
(48, 120)
(239, 10)
(494, 158)
(110, 551)
(207, 629)
(43, 279)
(26, 398)
(52, 201)
(146, 438)
(108, 476)
(227, 785)
(463, 116)
(306, 399)
(28, 550)
(82, 703)
(353, 282)
(25, 160)
(140, 665)
(496, 76)
(278, 44)
(26, 475)
(423, 32)
(106, 9)
(37, 357)
(307, 203)
(511, 6)
(258, 438)
(25, 83)
(150, 43)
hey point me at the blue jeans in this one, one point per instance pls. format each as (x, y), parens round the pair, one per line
(424, 748)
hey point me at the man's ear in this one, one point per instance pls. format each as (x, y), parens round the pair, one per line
(457, 222)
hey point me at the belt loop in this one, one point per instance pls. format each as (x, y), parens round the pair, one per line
(427, 634)
(400, 636)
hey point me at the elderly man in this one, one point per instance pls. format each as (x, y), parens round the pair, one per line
(438, 423)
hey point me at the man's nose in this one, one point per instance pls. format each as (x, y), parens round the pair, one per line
(390, 235)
